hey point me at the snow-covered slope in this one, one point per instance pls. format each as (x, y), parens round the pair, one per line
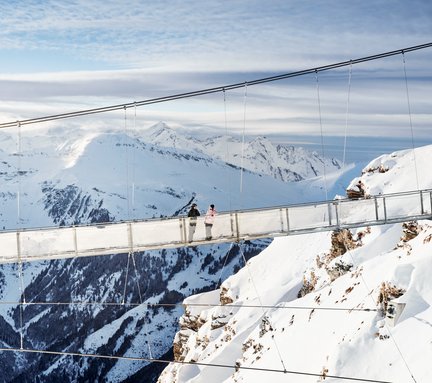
(63, 177)
(283, 162)
(316, 305)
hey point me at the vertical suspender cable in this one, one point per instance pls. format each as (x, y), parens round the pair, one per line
(19, 175)
(137, 276)
(410, 120)
(133, 163)
(126, 278)
(227, 159)
(322, 136)
(243, 137)
(367, 289)
(127, 163)
(20, 263)
(247, 266)
(346, 116)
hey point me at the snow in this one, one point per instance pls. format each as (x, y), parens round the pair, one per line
(127, 175)
(326, 330)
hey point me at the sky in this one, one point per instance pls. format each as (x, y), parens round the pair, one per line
(62, 56)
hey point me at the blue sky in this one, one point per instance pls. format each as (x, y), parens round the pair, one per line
(66, 55)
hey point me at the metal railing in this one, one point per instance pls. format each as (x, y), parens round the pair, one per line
(133, 236)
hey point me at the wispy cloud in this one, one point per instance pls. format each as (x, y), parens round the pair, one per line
(138, 50)
(213, 35)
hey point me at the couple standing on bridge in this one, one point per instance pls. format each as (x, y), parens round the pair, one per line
(208, 220)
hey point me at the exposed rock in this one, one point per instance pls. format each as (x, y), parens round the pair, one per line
(225, 299)
(386, 294)
(339, 269)
(380, 169)
(308, 285)
(341, 241)
(179, 345)
(411, 230)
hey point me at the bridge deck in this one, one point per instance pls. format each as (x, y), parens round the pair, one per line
(132, 236)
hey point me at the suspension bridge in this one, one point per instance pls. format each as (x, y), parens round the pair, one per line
(140, 235)
(32, 244)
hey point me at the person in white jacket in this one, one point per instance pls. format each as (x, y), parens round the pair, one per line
(209, 221)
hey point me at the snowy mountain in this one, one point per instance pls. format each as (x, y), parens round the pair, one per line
(335, 306)
(119, 304)
(283, 162)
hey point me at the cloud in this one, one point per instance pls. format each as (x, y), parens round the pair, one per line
(218, 35)
(144, 49)
(378, 102)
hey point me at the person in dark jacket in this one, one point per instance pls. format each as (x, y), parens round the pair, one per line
(193, 214)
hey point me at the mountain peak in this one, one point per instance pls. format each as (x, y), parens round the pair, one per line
(162, 134)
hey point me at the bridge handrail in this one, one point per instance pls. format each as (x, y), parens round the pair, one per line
(265, 208)
(140, 235)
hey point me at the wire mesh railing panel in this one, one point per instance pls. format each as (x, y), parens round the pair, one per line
(352, 212)
(152, 233)
(426, 202)
(398, 206)
(262, 222)
(307, 217)
(111, 237)
(9, 248)
(224, 226)
(47, 243)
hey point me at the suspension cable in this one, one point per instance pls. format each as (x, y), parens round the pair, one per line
(127, 164)
(137, 276)
(223, 266)
(215, 89)
(227, 153)
(126, 278)
(20, 262)
(376, 304)
(264, 316)
(208, 305)
(243, 138)
(410, 120)
(133, 162)
(165, 361)
(346, 116)
(18, 125)
(322, 135)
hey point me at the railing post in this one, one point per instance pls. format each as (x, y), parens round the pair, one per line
(75, 240)
(232, 225)
(182, 223)
(385, 209)
(130, 237)
(376, 208)
(288, 221)
(237, 226)
(430, 199)
(421, 203)
(281, 220)
(336, 205)
(329, 213)
(18, 246)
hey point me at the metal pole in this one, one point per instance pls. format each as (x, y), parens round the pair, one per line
(130, 237)
(385, 209)
(237, 227)
(329, 213)
(281, 220)
(376, 208)
(288, 221)
(421, 202)
(336, 205)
